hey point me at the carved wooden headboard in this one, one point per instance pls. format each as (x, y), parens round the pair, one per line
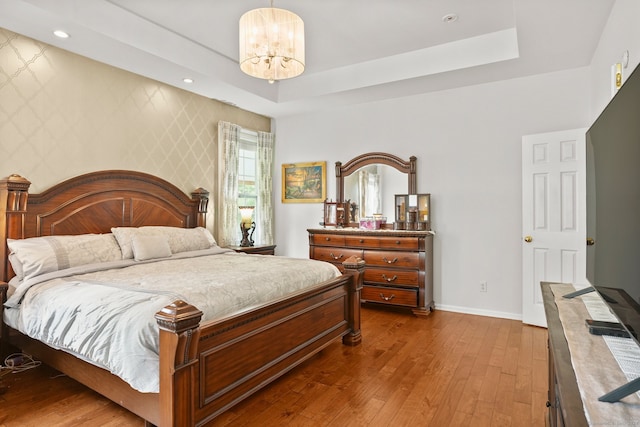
(93, 203)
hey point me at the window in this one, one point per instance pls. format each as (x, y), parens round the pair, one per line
(247, 172)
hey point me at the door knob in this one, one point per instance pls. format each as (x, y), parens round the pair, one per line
(528, 239)
(590, 241)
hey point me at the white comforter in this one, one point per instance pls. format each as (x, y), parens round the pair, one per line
(105, 313)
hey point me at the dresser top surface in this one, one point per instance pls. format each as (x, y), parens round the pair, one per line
(365, 232)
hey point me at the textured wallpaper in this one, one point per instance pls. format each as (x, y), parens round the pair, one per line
(62, 115)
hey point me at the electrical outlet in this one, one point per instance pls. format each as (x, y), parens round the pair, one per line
(483, 286)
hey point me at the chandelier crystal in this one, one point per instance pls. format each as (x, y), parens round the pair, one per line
(271, 44)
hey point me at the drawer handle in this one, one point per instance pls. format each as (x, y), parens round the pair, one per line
(361, 240)
(397, 242)
(390, 261)
(328, 239)
(387, 298)
(335, 257)
(389, 279)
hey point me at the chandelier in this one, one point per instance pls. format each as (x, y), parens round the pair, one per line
(271, 44)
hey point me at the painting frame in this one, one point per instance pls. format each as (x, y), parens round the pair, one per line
(304, 182)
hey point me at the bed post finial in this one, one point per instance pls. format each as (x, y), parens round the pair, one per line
(202, 196)
(354, 266)
(14, 192)
(179, 324)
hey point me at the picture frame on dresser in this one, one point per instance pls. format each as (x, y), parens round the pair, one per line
(412, 211)
(336, 214)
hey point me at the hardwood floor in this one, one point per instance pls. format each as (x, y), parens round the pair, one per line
(448, 369)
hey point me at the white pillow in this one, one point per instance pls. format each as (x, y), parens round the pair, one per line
(180, 239)
(16, 265)
(150, 247)
(38, 255)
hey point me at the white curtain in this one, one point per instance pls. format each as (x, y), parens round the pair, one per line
(228, 220)
(264, 184)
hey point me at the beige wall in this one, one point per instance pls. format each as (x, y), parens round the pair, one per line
(62, 115)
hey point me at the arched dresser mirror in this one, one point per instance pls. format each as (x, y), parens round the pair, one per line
(369, 182)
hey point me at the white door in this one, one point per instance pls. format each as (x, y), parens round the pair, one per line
(553, 215)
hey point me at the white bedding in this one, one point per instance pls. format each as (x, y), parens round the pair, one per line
(93, 311)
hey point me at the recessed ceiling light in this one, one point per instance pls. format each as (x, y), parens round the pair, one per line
(187, 80)
(450, 17)
(61, 34)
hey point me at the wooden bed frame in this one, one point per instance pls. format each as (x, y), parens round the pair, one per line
(204, 368)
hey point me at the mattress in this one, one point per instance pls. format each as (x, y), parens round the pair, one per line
(104, 313)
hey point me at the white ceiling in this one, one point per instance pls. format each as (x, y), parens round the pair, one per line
(356, 50)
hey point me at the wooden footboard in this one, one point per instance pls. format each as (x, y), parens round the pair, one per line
(205, 370)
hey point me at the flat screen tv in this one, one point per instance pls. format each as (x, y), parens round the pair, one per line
(613, 211)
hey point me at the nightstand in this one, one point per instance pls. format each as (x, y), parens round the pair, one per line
(258, 249)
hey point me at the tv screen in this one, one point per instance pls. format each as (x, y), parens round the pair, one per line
(613, 204)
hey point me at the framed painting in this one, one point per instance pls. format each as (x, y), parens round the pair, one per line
(304, 182)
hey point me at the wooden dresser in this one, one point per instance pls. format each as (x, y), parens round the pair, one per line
(399, 264)
(565, 404)
(583, 366)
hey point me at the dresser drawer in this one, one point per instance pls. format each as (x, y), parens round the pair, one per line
(391, 276)
(327, 240)
(392, 258)
(335, 254)
(391, 296)
(382, 242)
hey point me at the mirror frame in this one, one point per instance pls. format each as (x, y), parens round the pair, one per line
(408, 167)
